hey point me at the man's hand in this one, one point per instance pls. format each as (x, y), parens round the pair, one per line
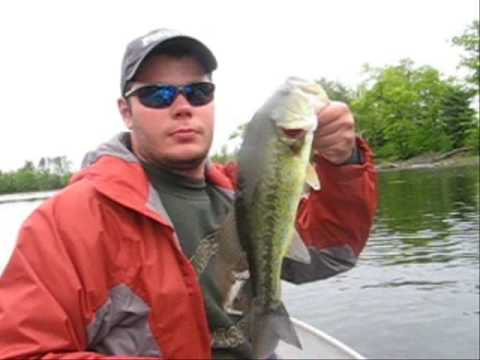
(335, 135)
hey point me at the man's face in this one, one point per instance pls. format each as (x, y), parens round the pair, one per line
(180, 135)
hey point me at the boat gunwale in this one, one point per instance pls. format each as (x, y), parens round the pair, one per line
(329, 339)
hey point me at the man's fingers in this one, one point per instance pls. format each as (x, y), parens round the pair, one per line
(332, 112)
(344, 123)
(336, 139)
(337, 153)
(335, 134)
(327, 129)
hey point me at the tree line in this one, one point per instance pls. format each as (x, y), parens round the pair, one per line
(49, 174)
(404, 110)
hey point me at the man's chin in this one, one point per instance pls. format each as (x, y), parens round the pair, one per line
(186, 160)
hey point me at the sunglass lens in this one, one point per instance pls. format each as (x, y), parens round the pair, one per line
(157, 96)
(162, 96)
(199, 93)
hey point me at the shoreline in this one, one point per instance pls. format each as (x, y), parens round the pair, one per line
(457, 158)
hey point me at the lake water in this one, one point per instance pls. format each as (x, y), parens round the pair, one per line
(415, 290)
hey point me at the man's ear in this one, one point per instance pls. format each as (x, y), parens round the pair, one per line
(125, 111)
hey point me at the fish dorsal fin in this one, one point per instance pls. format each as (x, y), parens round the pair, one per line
(312, 178)
(298, 251)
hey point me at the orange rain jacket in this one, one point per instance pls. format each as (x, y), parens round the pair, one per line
(98, 270)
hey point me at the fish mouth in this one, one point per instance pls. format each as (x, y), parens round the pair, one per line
(294, 133)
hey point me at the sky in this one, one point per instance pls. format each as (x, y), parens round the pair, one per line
(60, 60)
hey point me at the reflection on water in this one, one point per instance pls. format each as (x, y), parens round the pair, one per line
(426, 285)
(415, 291)
(427, 216)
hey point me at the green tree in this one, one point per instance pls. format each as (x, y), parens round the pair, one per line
(58, 165)
(27, 166)
(457, 117)
(405, 110)
(51, 173)
(61, 165)
(470, 42)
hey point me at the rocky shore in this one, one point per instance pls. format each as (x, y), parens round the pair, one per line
(458, 157)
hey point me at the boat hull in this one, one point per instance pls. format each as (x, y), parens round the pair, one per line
(315, 345)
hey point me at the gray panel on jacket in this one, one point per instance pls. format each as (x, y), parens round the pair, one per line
(121, 326)
(324, 264)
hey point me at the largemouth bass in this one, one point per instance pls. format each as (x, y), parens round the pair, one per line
(273, 168)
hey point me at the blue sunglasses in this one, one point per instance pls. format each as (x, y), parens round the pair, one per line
(159, 96)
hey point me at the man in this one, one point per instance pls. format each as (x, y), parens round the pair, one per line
(116, 263)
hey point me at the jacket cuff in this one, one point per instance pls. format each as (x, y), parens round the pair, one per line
(349, 170)
(357, 158)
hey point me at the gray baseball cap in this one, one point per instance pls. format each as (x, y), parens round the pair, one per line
(139, 48)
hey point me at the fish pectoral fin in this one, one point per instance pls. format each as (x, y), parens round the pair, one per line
(269, 328)
(298, 250)
(312, 178)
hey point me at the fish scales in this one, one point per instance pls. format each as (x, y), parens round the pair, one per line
(273, 161)
(273, 215)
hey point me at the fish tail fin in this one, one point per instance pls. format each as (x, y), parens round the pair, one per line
(267, 328)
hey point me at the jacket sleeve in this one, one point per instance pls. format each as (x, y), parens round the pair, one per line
(335, 222)
(44, 309)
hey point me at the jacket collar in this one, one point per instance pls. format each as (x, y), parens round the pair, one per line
(117, 173)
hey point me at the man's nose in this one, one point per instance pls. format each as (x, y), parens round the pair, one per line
(181, 108)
